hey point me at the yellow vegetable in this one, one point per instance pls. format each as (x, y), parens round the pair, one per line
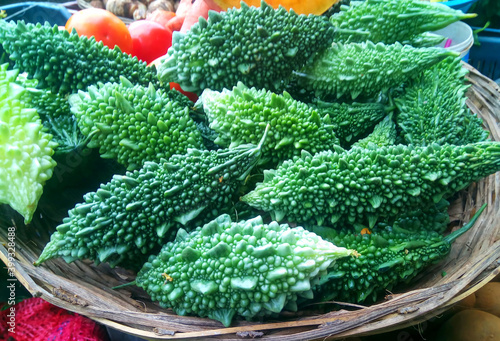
(299, 6)
(470, 325)
(466, 303)
(488, 298)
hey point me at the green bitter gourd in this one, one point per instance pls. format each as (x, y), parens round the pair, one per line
(135, 124)
(245, 268)
(432, 108)
(130, 216)
(351, 120)
(54, 111)
(383, 134)
(366, 68)
(241, 115)
(257, 46)
(389, 256)
(361, 185)
(25, 149)
(64, 62)
(390, 21)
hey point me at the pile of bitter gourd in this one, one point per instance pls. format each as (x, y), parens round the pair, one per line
(317, 163)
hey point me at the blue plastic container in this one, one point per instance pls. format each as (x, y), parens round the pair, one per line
(462, 5)
(34, 12)
(486, 56)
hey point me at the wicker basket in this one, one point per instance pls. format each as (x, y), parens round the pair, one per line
(474, 260)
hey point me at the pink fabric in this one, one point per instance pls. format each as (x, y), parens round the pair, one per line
(38, 320)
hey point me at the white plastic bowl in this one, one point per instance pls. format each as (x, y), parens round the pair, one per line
(461, 38)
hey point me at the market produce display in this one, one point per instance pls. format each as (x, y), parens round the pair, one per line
(313, 166)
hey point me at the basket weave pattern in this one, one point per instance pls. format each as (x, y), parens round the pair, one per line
(474, 260)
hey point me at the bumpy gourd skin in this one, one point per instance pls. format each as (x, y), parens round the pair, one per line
(432, 218)
(388, 256)
(130, 216)
(390, 21)
(361, 185)
(64, 62)
(365, 68)
(257, 46)
(432, 108)
(46, 103)
(54, 111)
(134, 124)
(25, 149)
(241, 115)
(351, 120)
(247, 268)
(426, 39)
(383, 134)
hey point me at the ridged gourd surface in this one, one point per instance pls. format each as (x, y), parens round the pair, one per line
(245, 268)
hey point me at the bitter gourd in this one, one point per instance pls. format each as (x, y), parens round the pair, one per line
(350, 120)
(45, 102)
(384, 134)
(433, 218)
(241, 115)
(25, 149)
(257, 46)
(64, 62)
(388, 256)
(54, 111)
(128, 217)
(361, 185)
(247, 268)
(65, 133)
(426, 39)
(366, 68)
(390, 21)
(432, 108)
(134, 124)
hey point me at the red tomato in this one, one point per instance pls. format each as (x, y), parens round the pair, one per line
(150, 40)
(103, 25)
(191, 95)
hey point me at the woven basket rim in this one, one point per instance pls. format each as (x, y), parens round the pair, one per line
(473, 262)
